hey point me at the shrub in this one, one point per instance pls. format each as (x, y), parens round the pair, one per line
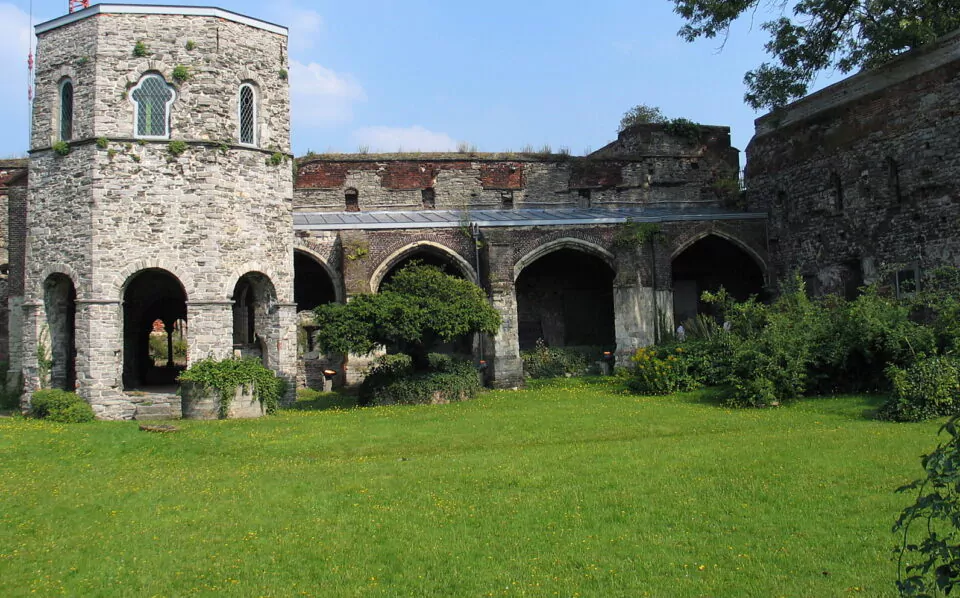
(226, 375)
(936, 512)
(62, 148)
(394, 381)
(928, 388)
(140, 49)
(661, 371)
(180, 73)
(60, 406)
(554, 362)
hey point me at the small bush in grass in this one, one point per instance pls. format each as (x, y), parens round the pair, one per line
(554, 362)
(394, 381)
(60, 406)
(661, 371)
(928, 388)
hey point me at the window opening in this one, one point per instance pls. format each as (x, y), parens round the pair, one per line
(506, 200)
(248, 115)
(837, 185)
(893, 180)
(66, 110)
(429, 197)
(153, 98)
(351, 200)
(583, 201)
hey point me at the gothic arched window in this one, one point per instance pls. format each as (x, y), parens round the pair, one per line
(152, 97)
(247, 111)
(66, 110)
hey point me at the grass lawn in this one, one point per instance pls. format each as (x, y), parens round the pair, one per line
(565, 489)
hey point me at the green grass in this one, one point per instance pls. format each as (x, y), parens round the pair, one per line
(566, 489)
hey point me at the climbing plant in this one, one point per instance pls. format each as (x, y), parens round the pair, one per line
(227, 375)
(637, 234)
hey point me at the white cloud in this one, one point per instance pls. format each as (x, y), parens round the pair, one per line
(415, 138)
(321, 97)
(305, 24)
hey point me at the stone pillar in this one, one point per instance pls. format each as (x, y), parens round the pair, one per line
(284, 352)
(633, 319)
(210, 330)
(32, 324)
(99, 342)
(506, 367)
(15, 331)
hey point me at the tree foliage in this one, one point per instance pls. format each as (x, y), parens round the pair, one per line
(811, 36)
(419, 307)
(641, 114)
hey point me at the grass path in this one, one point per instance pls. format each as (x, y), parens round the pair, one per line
(566, 489)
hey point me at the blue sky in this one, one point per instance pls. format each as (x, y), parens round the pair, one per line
(425, 75)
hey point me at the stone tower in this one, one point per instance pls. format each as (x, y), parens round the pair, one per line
(159, 200)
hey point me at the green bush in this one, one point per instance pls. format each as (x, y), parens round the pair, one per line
(554, 362)
(661, 371)
(928, 388)
(226, 375)
(60, 406)
(393, 380)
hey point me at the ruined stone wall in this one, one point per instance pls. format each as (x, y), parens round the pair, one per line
(646, 166)
(863, 175)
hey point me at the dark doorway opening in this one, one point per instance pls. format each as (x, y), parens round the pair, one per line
(711, 263)
(152, 295)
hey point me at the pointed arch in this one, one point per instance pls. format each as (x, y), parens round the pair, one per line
(699, 236)
(421, 246)
(564, 243)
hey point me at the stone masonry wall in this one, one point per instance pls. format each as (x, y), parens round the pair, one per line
(645, 166)
(863, 175)
(209, 215)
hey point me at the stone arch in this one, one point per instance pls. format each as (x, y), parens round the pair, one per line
(565, 296)
(149, 295)
(256, 324)
(381, 271)
(121, 279)
(689, 241)
(230, 281)
(708, 262)
(564, 243)
(60, 268)
(331, 272)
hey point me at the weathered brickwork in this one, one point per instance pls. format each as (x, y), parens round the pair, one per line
(647, 165)
(861, 176)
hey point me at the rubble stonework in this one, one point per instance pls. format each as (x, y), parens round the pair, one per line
(860, 178)
(116, 206)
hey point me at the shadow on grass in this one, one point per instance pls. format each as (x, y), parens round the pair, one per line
(315, 400)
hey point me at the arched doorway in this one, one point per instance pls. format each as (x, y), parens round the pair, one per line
(312, 284)
(565, 298)
(151, 296)
(706, 265)
(254, 317)
(57, 355)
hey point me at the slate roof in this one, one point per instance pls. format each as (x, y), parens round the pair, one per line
(318, 221)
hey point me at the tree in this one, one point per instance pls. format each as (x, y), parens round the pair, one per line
(641, 114)
(419, 307)
(811, 36)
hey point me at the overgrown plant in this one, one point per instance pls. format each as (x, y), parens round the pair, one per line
(225, 376)
(177, 147)
(935, 514)
(180, 73)
(633, 234)
(140, 49)
(420, 307)
(60, 406)
(61, 148)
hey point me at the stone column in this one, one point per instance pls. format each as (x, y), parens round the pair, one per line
(506, 366)
(32, 324)
(284, 352)
(99, 343)
(210, 331)
(15, 332)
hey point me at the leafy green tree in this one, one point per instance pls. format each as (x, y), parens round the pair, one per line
(641, 114)
(420, 307)
(811, 36)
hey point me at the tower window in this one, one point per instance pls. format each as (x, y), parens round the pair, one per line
(351, 200)
(66, 110)
(837, 185)
(152, 98)
(248, 115)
